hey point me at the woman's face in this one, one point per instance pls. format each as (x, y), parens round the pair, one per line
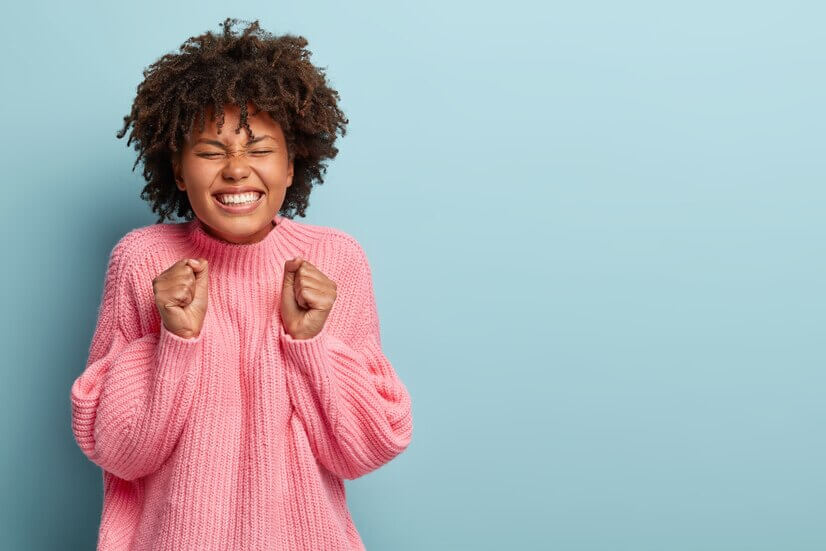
(212, 165)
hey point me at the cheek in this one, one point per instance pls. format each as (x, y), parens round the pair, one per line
(198, 175)
(274, 171)
(274, 178)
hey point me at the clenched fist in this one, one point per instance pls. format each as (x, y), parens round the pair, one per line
(181, 296)
(307, 296)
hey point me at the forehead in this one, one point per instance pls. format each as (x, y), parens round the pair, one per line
(259, 121)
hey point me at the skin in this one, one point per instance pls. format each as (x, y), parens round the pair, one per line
(181, 297)
(307, 297)
(202, 169)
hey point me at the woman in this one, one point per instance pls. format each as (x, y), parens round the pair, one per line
(236, 374)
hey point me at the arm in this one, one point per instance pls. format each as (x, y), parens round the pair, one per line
(130, 403)
(355, 410)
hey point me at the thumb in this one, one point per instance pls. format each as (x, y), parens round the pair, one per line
(290, 267)
(200, 267)
(288, 303)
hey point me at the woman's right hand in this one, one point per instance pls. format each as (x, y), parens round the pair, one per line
(181, 296)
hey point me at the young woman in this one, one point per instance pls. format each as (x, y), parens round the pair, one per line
(236, 374)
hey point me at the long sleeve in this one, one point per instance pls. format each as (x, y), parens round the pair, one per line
(130, 403)
(354, 408)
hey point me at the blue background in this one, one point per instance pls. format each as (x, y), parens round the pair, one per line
(597, 237)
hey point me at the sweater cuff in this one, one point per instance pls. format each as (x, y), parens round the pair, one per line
(310, 354)
(175, 354)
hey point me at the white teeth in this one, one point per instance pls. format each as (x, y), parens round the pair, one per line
(239, 198)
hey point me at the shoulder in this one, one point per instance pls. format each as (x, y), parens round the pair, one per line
(332, 242)
(134, 262)
(130, 253)
(337, 253)
(347, 247)
(342, 258)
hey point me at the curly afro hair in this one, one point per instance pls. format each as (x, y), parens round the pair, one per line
(272, 72)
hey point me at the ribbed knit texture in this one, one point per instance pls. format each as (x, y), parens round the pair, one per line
(237, 439)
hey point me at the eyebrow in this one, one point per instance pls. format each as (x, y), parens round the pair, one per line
(221, 144)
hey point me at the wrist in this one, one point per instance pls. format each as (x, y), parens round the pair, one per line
(182, 333)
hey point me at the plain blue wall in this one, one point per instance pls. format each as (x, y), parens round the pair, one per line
(598, 247)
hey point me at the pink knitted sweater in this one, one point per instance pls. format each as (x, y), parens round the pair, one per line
(237, 439)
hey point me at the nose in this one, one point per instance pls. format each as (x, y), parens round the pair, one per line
(236, 167)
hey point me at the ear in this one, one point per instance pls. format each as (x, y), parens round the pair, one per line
(290, 170)
(176, 171)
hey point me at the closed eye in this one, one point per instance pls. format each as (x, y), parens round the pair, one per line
(257, 152)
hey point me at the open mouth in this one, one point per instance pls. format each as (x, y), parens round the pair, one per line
(239, 203)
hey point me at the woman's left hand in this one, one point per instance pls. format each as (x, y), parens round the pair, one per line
(307, 296)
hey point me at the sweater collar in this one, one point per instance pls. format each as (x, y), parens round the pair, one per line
(284, 240)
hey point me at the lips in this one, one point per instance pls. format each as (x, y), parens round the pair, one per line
(239, 209)
(241, 189)
(246, 193)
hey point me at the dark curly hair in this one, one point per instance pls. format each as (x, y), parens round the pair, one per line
(272, 72)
